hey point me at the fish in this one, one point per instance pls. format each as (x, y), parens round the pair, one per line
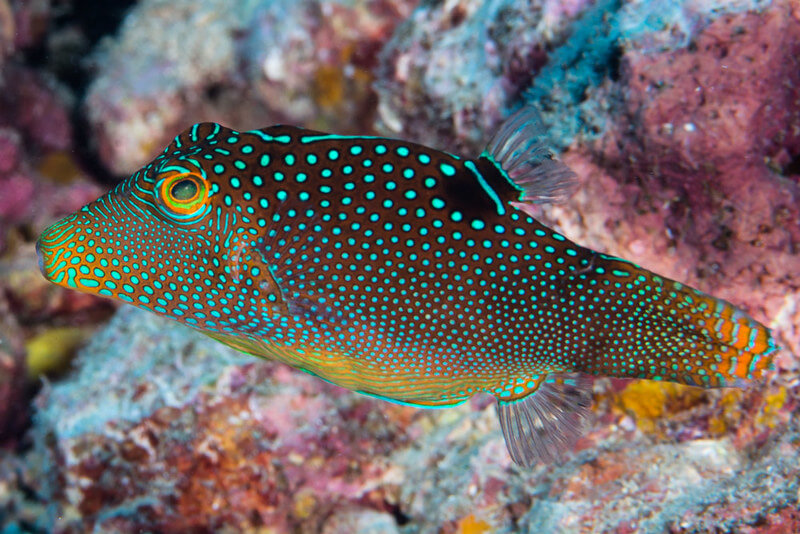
(401, 272)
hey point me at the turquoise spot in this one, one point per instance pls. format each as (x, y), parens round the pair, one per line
(478, 224)
(408, 173)
(380, 149)
(311, 159)
(447, 169)
(456, 216)
(424, 159)
(333, 154)
(247, 149)
(239, 164)
(264, 160)
(219, 168)
(402, 151)
(437, 203)
(289, 159)
(430, 182)
(356, 150)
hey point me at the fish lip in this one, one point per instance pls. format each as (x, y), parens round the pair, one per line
(40, 258)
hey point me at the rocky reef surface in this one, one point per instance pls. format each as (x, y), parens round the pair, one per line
(682, 120)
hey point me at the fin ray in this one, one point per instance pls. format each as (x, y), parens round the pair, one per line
(520, 152)
(540, 426)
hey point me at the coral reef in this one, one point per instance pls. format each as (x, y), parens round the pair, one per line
(13, 402)
(305, 63)
(681, 118)
(695, 176)
(450, 70)
(195, 431)
(203, 437)
(41, 179)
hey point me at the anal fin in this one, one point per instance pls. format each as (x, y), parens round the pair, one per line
(540, 426)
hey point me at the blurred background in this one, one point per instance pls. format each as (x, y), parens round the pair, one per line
(682, 119)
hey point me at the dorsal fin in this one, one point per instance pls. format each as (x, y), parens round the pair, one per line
(520, 151)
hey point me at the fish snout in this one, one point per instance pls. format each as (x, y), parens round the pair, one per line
(51, 249)
(40, 258)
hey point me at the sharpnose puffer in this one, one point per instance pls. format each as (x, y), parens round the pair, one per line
(398, 271)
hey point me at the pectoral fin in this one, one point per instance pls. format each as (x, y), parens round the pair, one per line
(542, 425)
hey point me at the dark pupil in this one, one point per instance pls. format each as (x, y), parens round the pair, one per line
(184, 190)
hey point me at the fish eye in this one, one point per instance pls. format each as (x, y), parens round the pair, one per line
(182, 195)
(184, 190)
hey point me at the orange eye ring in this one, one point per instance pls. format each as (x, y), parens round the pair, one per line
(183, 195)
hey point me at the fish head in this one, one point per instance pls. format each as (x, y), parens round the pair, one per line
(161, 239)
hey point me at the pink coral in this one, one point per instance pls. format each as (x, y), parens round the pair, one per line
(706, 133)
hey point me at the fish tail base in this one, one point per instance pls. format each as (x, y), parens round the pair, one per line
(665, 330)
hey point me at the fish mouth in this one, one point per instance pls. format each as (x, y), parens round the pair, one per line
(40, 258)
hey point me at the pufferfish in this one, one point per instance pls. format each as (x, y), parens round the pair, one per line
(398, 271)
